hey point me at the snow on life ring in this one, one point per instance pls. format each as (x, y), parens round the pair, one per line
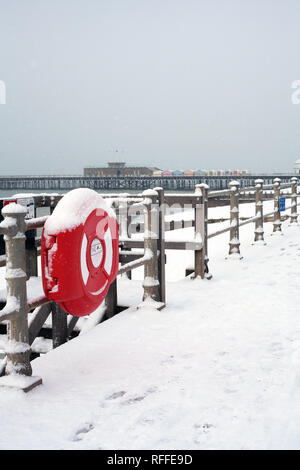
(80, 252)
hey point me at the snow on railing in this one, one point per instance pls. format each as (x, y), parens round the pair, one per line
(16, 364)
(259, 218)
(152, 205)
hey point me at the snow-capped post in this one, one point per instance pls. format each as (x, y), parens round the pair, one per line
(123, 223)
(151, 283)
(234, 243)
(129, 229)
(18, 369)
(277, 219)
(161, 244)
(259, 223)
(123, 214)
(204, 189)
(294, 215)
(199, 255)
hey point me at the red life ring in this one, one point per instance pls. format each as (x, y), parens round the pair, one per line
(80, 252)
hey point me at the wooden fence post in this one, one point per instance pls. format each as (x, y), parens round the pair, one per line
(31, 252)
(204, 189)
(294, 215)
(59, 316)
(277, 219)
(259, 223)
(111, 300)
(161, 244)
(199, 255)
(123, 214)
(17, 349)
(123, 222)
(234, 243)
(151, 283)
(31, 255)
(129, 229)
(59, 325)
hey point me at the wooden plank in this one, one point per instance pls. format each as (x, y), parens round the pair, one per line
(59, 325)
(199, 255)
(38, 321)
(20, 382)
(31, 256)
(37, 222)
(71, 325)
(126, 258)
(169, 245)
(140, 261)
(111, 300)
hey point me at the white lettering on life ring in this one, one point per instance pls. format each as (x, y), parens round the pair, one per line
(96, 252)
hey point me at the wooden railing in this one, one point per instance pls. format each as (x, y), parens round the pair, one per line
(21, 260)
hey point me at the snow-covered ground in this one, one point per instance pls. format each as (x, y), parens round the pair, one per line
(218, 368)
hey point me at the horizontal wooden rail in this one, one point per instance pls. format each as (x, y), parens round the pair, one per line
(135, 264)
(37, 222)
(37, 320)
(222, 192)
(37, 302)
(147, 251)
(219, 232)
(250, 220)
(169, 245)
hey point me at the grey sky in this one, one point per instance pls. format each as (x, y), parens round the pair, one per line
(172, 83)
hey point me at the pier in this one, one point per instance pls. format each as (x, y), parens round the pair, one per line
(173, 183)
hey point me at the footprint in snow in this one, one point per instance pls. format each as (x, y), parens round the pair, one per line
(203, 427)
(222, 353)
(276, 348)
(139, 398)
(230, 390)
(82, 431)
(134, 400)
(168, 360)
(116, 395)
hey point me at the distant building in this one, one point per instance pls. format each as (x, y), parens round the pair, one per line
(189, 173)
(118, 169)
(200, 173)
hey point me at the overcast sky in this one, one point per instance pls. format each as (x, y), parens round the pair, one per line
(168, 83)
